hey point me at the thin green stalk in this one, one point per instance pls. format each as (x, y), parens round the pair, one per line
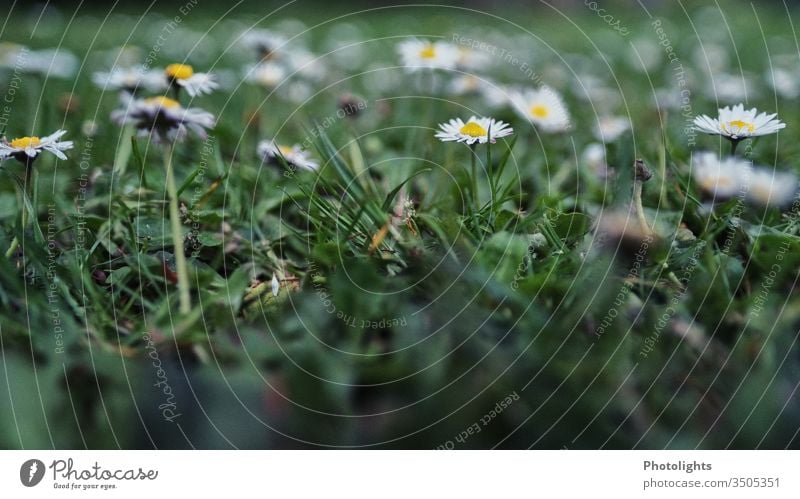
(123, 152)
(734, 143)
(492, 181)
(177, 236)
(474, 175)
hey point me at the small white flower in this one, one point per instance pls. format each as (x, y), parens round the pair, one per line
(785, 82)
(738, 123)
(730, 87)
(266, 43)
(265, 74)
(56, 63)
(195, 83)
(465, 84)
(543, 107)
(130, 79)
(29, 147)
(422, 54)
(720, 178)
(473, 60)
(295, 156)
(610, 128)
(276, 285)
(768, 187)
(480, 130)
(164, 119)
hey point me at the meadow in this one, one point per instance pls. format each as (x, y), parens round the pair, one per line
(281, 226)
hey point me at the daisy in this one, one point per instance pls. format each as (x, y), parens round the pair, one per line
(56, 63)
(472, 59)
(294, 156)
(264, 42)
(768, 187)
(480, 130)
(543, 107)
(720, 178)
(25, 149)
(164, 119)
(594, 157)
(422, 54)
(130, 79)
(610, 128)
(265, 74)
(194, 83)
(737, 123)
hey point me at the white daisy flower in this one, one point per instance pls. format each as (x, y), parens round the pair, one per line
(265, 74)
(194, 83)
(130, 79)
(610, 128)
(594, 157)
(264, 42)
(295, 156)
(164, 119)
(24, 149)
(422, 54)
(738, 123)
(770, 188)
(275, 285)
(480, 130)
(720, 178)
(543, 107)
(730, 87)
(56, 63)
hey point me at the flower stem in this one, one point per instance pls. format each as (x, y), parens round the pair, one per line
(474, 174)
(734, 143)
(177, 236)
(641, 175)
(123, 152)
(22, 201)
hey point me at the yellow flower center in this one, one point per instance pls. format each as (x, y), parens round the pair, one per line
(539, 111)
(161, 101)
(25, 142)
(285, 151)
(473, 130)
(738, 125)
(429, 52)
(179, 71)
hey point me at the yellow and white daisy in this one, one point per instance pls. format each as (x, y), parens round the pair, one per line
(738, 123)
(195, 84)
(164, 119)
(419, 54)
(24, 149)
(295, 156)
(543, 107)
(130, 79)
(265, 74)
(720, 178)
(480, 130)
(610, 128)
(771, 188)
